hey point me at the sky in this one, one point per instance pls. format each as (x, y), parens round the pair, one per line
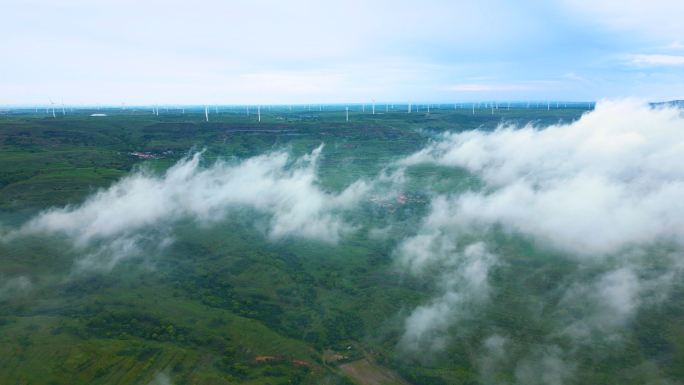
(275, 52)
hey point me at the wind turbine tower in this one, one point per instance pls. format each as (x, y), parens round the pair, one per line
(347, 108)
(373, 106)
(63, 113)
(206, 112)
(259, 112)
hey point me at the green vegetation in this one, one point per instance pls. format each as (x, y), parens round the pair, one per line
(226, 304)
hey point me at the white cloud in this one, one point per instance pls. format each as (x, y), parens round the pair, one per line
(465, 284)
(594, 187)
(546, 366)
(572, 76)
(270, 183)
(676, 45)
(611, 179)
(493, 357)
(15, 287)
(489, 87)
(614, 299)
(667, 60)
(161, 378)
(658, 19)
(606, 305)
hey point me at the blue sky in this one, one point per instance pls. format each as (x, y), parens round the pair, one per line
(269, 52)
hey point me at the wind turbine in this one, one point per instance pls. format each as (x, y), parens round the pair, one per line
(216, 105)
(373, 106)
(52, 104)
(409, 106)
(63, 113)
(206, 112)
(123, 106)
(259, 112)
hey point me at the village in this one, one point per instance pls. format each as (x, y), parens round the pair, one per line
(390, 200)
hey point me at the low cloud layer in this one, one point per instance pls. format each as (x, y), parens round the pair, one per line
(613, 178)
(270, 183)
(135, 216)
(608, 303)
(465, 287)
(15, 287)
(604, 189)
(546, 366)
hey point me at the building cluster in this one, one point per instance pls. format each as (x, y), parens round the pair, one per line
(146, 155)
(391, 200)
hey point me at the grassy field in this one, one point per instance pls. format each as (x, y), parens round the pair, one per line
(227, 304)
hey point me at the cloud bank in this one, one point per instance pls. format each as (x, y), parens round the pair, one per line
(613, 178)
(605, 190)
(15, 287)
(117, 219)
(465, 286)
